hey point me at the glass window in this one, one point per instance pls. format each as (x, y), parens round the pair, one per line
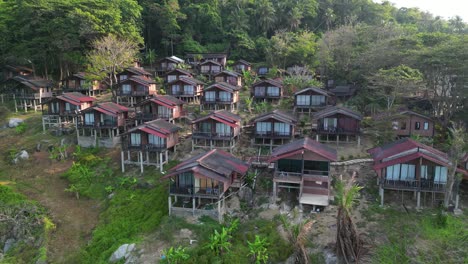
(210, 96)
(417, 125)
(215, 69)
(282, 129)
(205, 127)
(224, 96)
(303, 100)
(318, 100)
(135, 139)
(89, 118)
(188, 89)
(126, 88)
(123, 77)
(263, 128)
(164, 111)
(440, 176)
(186, 180)
(426, 126)
(175, 89)
(171, 78)
(155, 140)
(54, 107)
(263, 70)
(223, 129)
(273, 91)
(260, 91)
(205, 68)
(330, 123)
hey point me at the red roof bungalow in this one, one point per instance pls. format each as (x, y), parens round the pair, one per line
(335, 121)
(312, 99)
(233, 78)
(220, 95)
(410, 123)
(267, 90)
(304, 164)
(149, 144)
(176, 74)
(135, 89)
(200, 184)
(210, 67)
(29, 91)
(274, 128)
(78, 83)
(407, 165)
(64, 109)
(101, 125)
(219, 129)
(133, 71)
(186, 88)
(168, 64)
(164, 107)
(242, 65)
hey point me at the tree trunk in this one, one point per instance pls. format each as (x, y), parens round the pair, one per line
(449, 186)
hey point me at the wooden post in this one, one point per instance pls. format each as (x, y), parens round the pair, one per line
(193, 206)
(274, 191)
(169, 204)
(123, 160)
(418, 203)
(16, 105)
(219, 211)
(141, 161)
(381, 190)
(161, 162)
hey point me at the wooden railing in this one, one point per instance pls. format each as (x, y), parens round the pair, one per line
(196, 191)
(427, 185)
(336, 130)
(212, 135)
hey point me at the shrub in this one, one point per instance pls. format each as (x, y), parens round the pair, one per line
(21, 128)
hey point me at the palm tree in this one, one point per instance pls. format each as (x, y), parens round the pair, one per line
(348, 243)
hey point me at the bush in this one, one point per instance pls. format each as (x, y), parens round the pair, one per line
(21, 128)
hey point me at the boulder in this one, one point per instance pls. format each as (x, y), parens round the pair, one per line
(8, 244)
(14, 122)
(246, 194)
(123, 252)
(22, 155)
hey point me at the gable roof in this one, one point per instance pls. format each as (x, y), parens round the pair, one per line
(406, 149)
(300, 145)
(215, 164)
(223, 86)
(173, 59)
(315, 90)
(165, 100)
(332, 110)
(182, 71)
(344, 90)
(139, 79)
(227, 72)
(241, 61)
(137, 71)
(269, 81)
(222, 116)
(108, 108)
(75, 98)
(188, 80)
(211, 62)
(158, 127)
(18, 68)
(408, 112)
(33, 82)
(278, 115)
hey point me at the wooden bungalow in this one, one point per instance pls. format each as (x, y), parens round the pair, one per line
(219, 129)
(233, 78)
(164, 107)
(262, 71)
(338, 122)
(210, 68)
(200, 184)
(64, 109)
(274, 128)
(220, 95)
(29, 92)
(186, 88)
(176, 74)
(312, 99)
(133, 71)
(135, 89)
(102, 125)
(410, 166)
(167, 64)
(78, 83)
(267, 90)
(198, 58)
(10, 71)
(343, 92)
(242, 65)
(149, 143)
(410, 123)
(304, 164)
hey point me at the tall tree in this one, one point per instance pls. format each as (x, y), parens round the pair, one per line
(458, 147)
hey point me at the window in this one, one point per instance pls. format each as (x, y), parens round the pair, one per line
(205, 68)
(215, 69)
(417, 125)
(403, 125)
(123, 77)
(175, 89)
(70, 107)
(223, 130)
(224, 96)
(263, 128)
(89, 119)
(135, 139)
(426, 126)
(155, 140)
(82, 83)
(188, 89)
(260, 91)
(164, 112)
(240, 67)
(263, 70)
(171, 78)
(330, 123)
(273, 91)
(205, 127)
(303, 100)
(185, 180)
(282, 129)
(232, 80)
(54, 107)
(126, 88)
(408, 172)
(210, 96)
(393, 172)
(440, 176)
(318, 100)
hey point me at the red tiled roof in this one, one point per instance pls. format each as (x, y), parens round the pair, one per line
(300, 145)
(75, 98)
(138, 71)
(241, 61)
(165, 100)
(108, 108)
(158, 127)
(222, 116)
(182, 71)
(188, 80)
(277, 115)
(223, 86)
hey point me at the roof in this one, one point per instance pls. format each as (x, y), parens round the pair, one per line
(158, 127)
(210, 62)
(241, 61)
(332, 110)
(188, 80)
(173, 59)
(207, 55)
(408, 112)
(344, 90)
(222, 116)
(216, 164)
(315, 90)
(75, 98)
(137, 71)
(166, 100)
(108, 108)
(278, 115)
(269, 81)
(140, 79)
(298, 146)
(406, 149)
(227, 72)
(182, 71)
(33, 82)
(18, 68)
(223, 86)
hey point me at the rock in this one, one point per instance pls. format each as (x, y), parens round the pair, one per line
(38, 147)
(22, 155)
(8, 244)
(123, 252)
(110, 196)
(246, 194)
(234, 204)
(14, 122)
(284, 207)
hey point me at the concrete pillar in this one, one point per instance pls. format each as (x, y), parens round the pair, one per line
(317, 137)
(359, 141)
(220, 219)
(169, 204)
(193, 143)
(418, 201)
(381, 190)
(160, 162)
(43, 125)
(193, 206)
(274, 190)
(457, 201)
(147, 157)
(123, 160)
(141, 161)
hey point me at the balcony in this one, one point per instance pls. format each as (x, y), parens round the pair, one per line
(336, 131)
(266, 96)
(297, 177)
(196, 191)
(146, 147)
(105, 124)
(414, 184)
(272, 134)
(299, 105)
(33, 95)
(212, 135)
(133, 93)
(150, 116)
